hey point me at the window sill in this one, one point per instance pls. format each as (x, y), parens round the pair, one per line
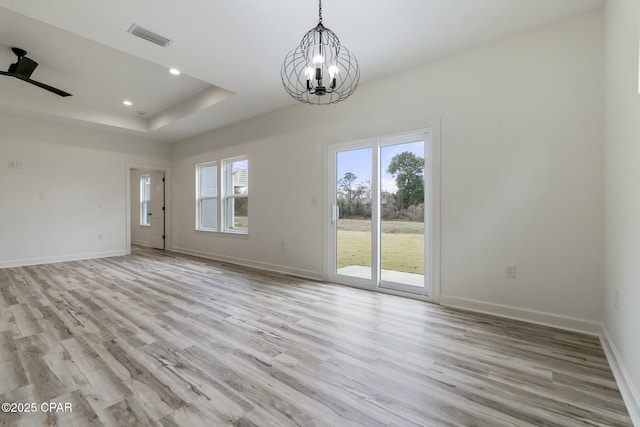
(232, 234)
(207, 230)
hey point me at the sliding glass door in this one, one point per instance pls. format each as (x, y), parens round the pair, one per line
(402, 216)
(380, 233)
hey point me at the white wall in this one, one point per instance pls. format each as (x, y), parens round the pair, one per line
(284, 180)
(521, 149)
(71, 186)
(622, 193)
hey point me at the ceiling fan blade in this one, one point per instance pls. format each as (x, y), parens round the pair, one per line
(43, 86)
(24, 67)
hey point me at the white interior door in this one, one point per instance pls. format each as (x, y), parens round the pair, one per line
(157, 211)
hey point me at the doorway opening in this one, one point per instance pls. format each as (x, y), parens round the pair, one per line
(147, 208)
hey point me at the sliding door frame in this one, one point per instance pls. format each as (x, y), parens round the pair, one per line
(432, 213)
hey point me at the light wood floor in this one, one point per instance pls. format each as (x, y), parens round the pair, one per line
(159, 339)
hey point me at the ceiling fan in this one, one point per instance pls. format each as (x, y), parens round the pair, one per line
(24, 67)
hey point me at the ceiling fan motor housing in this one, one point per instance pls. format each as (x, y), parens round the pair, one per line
(24, 67)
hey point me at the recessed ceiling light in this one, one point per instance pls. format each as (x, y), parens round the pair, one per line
(127, 103)
(174, 71)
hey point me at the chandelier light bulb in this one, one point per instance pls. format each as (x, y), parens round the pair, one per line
(318, 59)
(310, 72)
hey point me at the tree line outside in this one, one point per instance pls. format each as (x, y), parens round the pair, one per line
(405, 204)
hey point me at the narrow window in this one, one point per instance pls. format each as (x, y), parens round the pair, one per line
(145, 196)
(235, 209)
(207, 197)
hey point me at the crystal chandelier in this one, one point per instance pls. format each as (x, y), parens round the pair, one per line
(320, 70)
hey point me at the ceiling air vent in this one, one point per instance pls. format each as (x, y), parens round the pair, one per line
(149, 36)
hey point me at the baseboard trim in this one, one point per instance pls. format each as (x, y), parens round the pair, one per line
(62, 258)
(629, 392)
(532, 316)
(274, 268)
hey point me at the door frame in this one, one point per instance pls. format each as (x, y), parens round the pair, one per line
(167, 202)
(432, 247)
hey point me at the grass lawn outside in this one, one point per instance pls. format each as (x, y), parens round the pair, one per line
(389, 227)
(240, 223)
(402, 245)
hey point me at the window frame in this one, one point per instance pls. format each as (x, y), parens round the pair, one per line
(200, 200)
(224, 198)
(145, 221)
(227, 215)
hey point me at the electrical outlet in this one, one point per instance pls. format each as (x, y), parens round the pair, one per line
(616, 299)
(510, 271)
(100, 236)
(282, 246)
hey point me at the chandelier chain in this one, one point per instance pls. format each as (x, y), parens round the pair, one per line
(320, 10)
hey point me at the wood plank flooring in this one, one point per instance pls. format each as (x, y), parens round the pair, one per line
(156, 339)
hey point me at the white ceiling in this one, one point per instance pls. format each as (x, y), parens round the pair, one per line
(229, 52)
